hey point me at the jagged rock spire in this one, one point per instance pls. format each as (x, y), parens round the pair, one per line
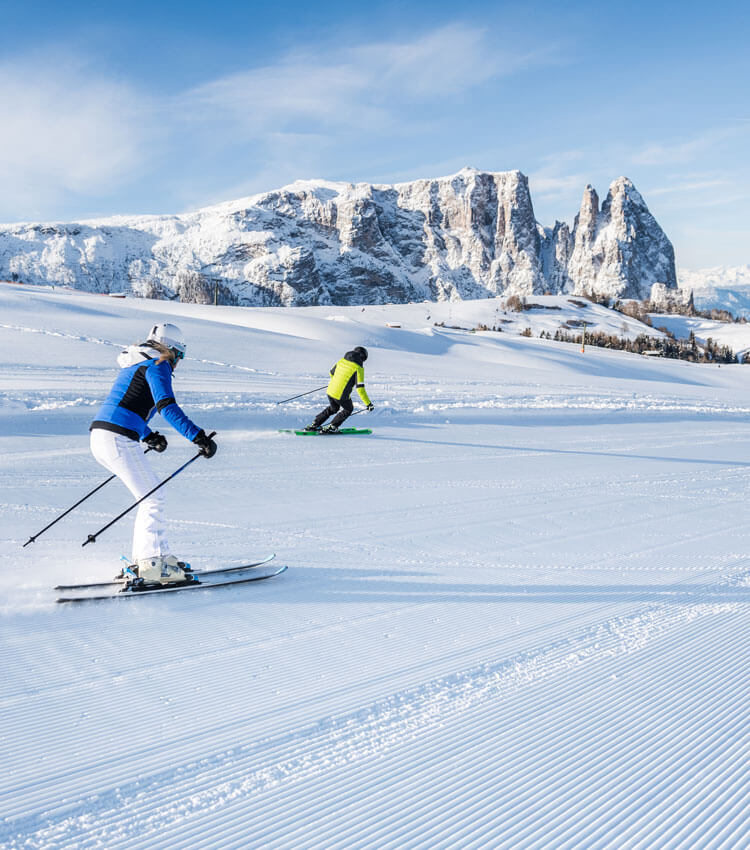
(619, 251)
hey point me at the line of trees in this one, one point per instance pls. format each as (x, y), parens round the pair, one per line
(676, 349)
(671, 306)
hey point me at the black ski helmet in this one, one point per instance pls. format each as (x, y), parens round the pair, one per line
(362, 352)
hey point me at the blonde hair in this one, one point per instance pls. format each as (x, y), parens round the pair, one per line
(164, 352)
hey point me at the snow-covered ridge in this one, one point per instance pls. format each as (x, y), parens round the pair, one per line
(718, 288)
(470, 235)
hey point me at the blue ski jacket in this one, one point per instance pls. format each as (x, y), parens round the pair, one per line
(141, 390)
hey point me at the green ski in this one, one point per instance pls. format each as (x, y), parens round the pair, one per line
(346, 432)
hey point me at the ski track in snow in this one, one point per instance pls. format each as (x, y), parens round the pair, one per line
(50, 401)
(200, 789)
(524, 628)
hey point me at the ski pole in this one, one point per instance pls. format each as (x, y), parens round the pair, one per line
(92, 537)
(80, 501)
(301, 394)
(357, 412)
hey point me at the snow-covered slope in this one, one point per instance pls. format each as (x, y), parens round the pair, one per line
(734, 335)
(471, 235)
(514, 617)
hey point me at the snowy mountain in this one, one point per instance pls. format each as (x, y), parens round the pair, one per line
(718, 288)
(618, 250)
(471, 235)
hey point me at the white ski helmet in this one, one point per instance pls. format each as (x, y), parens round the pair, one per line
(170, 336)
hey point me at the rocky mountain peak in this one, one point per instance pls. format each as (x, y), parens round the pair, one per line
(619, 251)
(468, 235)
(624, 187)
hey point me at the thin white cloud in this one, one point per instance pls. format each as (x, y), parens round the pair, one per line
(365, 86)
(70, 131)
(65, 130)
(448, 60)
(688, 186)
(687, 151)
(554, 180)
(727, 200)
(264, 100)
(555, 186)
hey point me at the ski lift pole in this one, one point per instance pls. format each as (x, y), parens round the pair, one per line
(72, 507)
(284, 401)
(583, 339)
(92, 537)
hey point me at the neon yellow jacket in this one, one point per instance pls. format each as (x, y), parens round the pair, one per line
(345, 375)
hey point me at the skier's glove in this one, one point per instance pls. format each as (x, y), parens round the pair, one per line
(370, 406)
(156, 441)
(205, 444)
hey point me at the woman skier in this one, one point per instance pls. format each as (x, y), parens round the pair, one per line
(345, 375)
(143, 387)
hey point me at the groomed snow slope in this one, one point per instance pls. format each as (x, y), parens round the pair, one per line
(515, 616)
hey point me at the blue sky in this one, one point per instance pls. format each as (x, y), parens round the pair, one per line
(165, 107)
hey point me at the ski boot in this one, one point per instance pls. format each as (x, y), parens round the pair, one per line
(329, 429)
(130, 573)
(162, 570)
(312, 427)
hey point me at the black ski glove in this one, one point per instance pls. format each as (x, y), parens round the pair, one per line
(205, 444)
(370, 406)
(156, 441)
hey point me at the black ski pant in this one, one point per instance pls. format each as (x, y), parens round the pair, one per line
(344, 406)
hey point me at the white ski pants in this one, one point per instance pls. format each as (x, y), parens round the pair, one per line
(126, 459)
